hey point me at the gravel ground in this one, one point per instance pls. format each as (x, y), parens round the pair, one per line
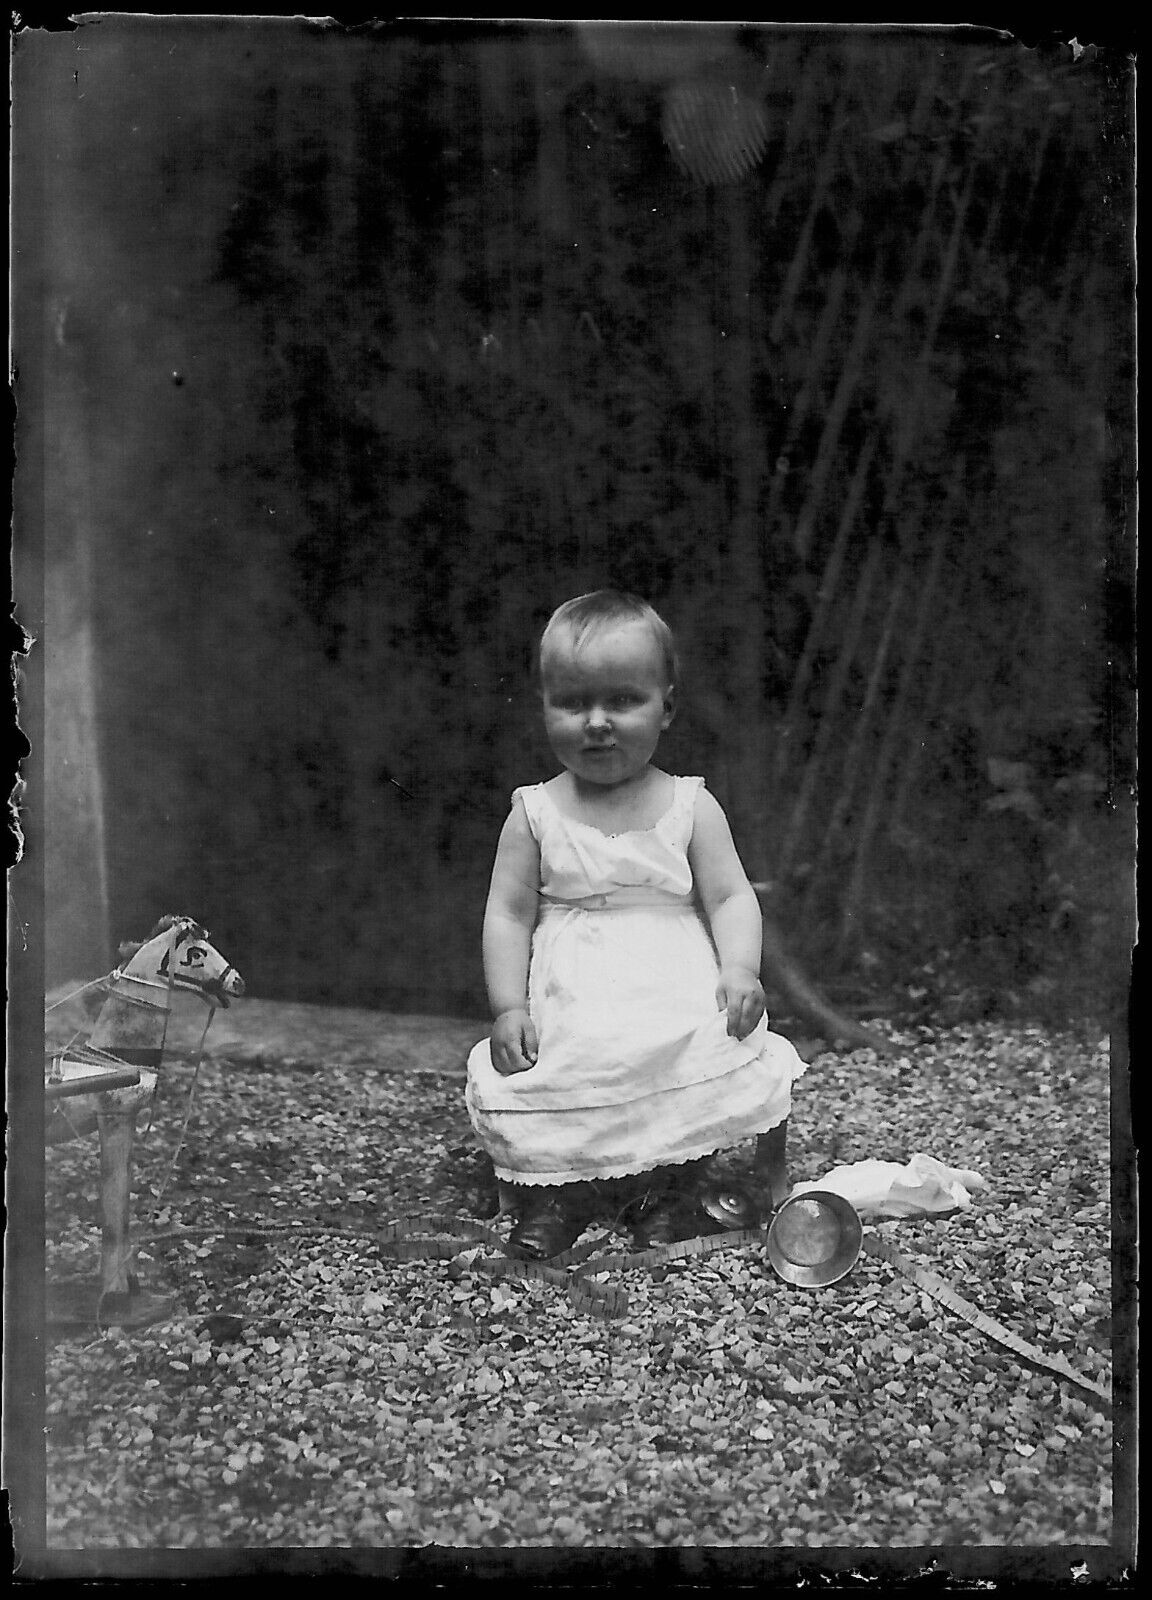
(363, 1401)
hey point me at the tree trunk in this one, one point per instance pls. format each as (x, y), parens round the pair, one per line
(851, 765)
(77, 920)
(748, 797)
(896, 719)
(829, 723)
(826, 594)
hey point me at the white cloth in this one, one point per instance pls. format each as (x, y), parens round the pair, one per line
(635, 1068)
(924, 1187)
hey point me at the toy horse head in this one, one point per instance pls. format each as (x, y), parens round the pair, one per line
(178, 953)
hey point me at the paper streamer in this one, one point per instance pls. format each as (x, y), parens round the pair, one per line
(947, 1296)
(430, 1236)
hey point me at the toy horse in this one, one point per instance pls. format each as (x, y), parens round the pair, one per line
(105, 1083)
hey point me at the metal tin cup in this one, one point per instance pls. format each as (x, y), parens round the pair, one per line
(814, 1238)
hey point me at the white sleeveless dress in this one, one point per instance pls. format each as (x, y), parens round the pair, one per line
(636, 1068)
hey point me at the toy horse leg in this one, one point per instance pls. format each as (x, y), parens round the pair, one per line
(117, 1134)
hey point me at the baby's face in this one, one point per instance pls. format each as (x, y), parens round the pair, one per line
(606, 703)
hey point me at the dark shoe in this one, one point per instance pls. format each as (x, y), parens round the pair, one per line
(552, 1220)
(668, 1210)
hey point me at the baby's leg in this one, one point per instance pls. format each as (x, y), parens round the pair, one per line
(493, 1196)
(771, 1164)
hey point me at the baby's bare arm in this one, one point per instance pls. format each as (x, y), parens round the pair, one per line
(509, 918)
(733, 914)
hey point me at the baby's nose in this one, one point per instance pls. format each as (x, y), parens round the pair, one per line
(597, 717)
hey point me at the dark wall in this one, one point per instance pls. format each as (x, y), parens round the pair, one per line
(361, 351)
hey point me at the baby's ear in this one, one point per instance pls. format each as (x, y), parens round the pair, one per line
(669, 703)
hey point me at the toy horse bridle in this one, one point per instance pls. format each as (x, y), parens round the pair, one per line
(215, 988)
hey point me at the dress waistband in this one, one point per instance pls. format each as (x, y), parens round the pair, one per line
(621, 900)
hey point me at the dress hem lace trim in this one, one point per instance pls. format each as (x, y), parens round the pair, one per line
(631, 1170)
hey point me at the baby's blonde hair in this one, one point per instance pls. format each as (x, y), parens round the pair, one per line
(603, 608)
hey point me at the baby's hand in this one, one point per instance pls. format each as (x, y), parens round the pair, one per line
(739, 993)
(514, 1043)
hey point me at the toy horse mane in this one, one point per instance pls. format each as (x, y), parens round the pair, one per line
(131, 947)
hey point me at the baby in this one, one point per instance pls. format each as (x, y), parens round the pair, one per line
(621, 953)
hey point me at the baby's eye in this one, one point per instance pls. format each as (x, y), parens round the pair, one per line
(623, 700)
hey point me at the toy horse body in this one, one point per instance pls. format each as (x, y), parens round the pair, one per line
(89, 1086)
